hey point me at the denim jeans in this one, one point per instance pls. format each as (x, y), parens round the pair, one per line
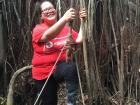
(64, 72)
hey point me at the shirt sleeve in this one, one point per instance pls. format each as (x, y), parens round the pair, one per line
(37, 33)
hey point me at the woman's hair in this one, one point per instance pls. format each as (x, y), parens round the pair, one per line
(39, 3)
(38, 10)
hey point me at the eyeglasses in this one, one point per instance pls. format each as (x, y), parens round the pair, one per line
(48, 9)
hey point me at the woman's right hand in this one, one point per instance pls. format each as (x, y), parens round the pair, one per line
(70, 15)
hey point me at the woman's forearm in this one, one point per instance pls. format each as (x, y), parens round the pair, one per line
(53, 30)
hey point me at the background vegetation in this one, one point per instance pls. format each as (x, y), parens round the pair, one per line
(109, 57)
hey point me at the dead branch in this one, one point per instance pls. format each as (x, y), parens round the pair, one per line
(12, 81)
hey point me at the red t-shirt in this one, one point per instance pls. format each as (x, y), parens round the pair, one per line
(46, 53)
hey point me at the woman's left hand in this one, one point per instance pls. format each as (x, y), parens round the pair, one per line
(82, 13)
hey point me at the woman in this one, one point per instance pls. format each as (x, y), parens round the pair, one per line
(49, 39)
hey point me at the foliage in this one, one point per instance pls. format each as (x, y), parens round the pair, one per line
(2, 100)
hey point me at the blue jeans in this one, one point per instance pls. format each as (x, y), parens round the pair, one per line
(64, 72)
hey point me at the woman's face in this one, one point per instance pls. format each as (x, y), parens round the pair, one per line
(48, 13)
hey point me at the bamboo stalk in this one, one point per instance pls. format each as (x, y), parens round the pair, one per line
(117, 55)
(83, 27)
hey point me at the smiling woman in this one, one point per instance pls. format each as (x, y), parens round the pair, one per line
(49, 59)
(48, 13)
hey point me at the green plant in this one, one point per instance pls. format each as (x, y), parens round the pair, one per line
(2, 100)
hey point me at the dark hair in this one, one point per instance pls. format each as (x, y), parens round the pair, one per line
(42, 1)
(37, 11)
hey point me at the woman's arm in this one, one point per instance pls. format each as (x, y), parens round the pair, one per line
(82, 15)
(58, 26)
